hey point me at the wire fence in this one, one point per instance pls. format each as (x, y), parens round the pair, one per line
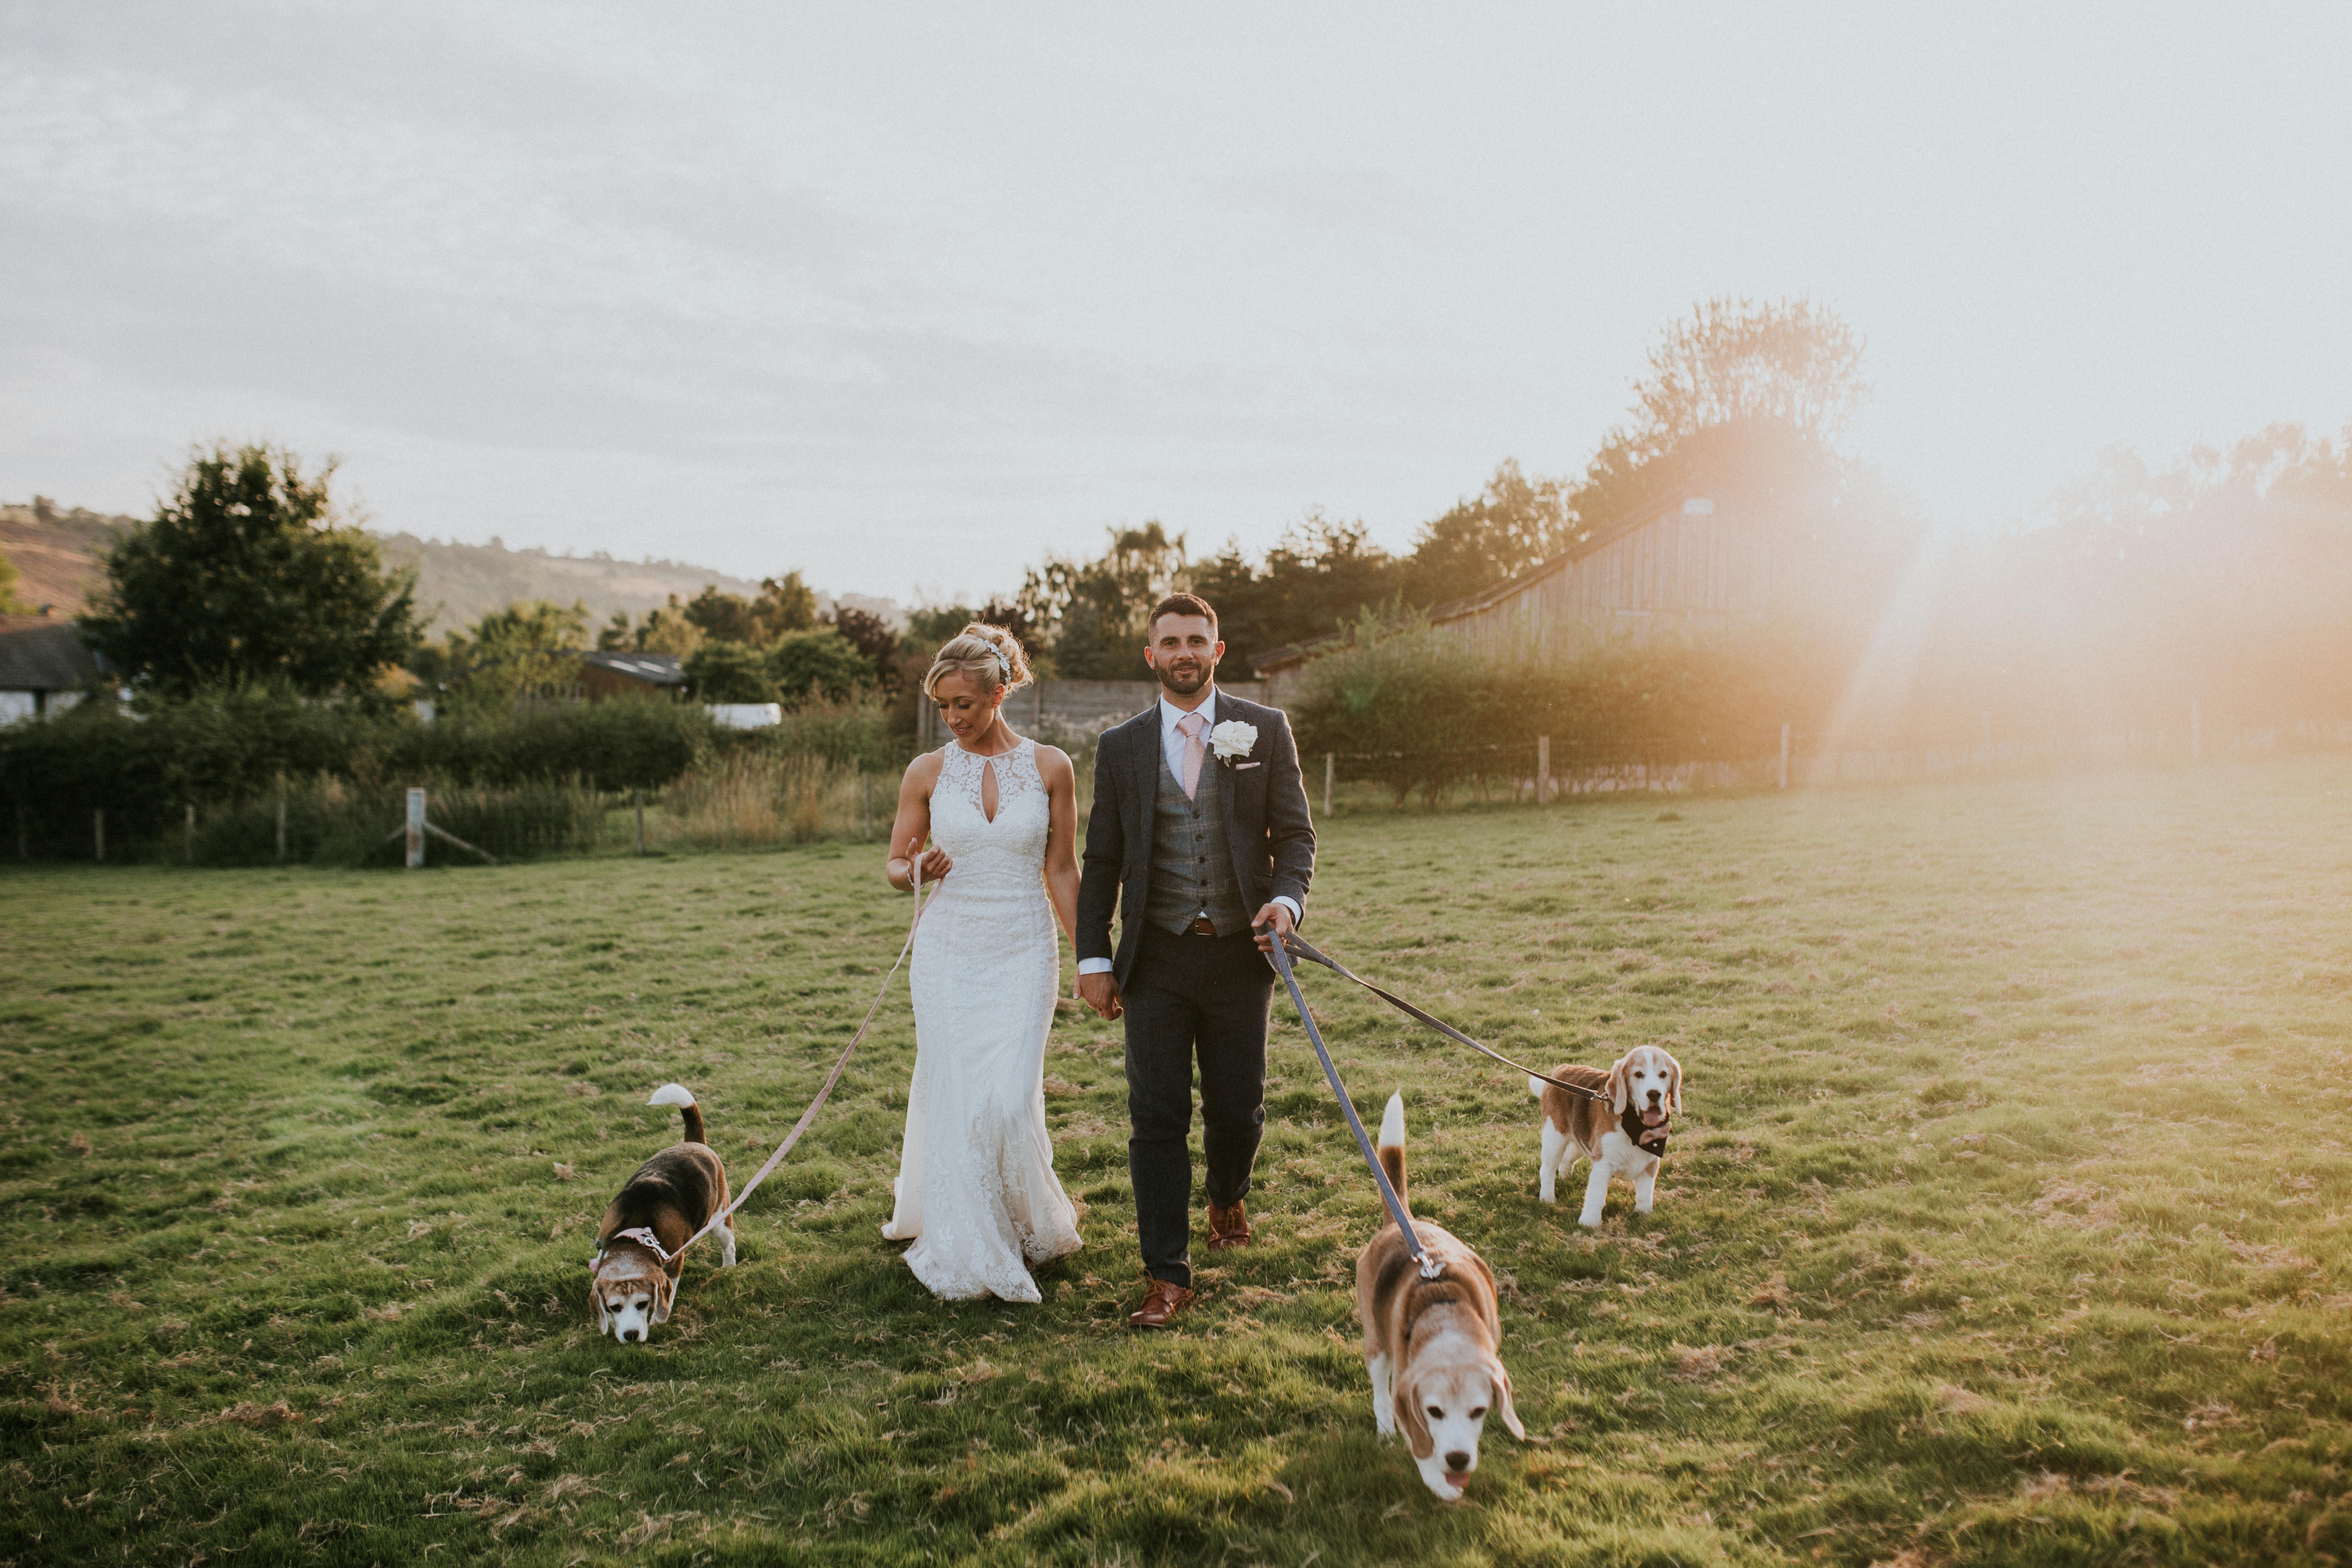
(750, 798)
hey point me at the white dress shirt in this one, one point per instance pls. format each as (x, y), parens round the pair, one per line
(1171, 746)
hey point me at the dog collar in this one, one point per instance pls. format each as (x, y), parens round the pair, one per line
(1649, 1139)
(639, 1233)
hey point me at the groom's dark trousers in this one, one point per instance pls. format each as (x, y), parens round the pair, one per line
(1192, 1000)
(1188, 998)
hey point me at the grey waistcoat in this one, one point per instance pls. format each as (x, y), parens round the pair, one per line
(1192, 867)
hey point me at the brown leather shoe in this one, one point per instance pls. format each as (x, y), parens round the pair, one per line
(1228, 1227)
(1160, 1302)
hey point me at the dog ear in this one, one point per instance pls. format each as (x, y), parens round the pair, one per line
(663, 1290)
(1502, 1382)
(1411, 1419)
(1616, 1084)
(1674, 1085)
(596, 1301)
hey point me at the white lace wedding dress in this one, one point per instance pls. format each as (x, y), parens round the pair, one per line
(976, 1192)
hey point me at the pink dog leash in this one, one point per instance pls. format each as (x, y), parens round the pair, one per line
(915, 863)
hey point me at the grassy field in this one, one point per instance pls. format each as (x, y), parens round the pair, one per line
(2008, 1222)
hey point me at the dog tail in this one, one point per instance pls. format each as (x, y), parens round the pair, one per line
(1392, 1146)
(677, 1094)
(1535, 1086)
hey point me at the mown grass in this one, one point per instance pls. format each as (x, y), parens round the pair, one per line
(2008, 1222)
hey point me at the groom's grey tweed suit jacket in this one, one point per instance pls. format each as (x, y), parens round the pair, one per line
(1268, 826)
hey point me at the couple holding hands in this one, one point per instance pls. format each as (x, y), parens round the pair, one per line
(1201, 838)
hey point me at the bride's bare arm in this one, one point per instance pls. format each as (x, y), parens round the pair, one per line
(1061, 781)
(912, 828)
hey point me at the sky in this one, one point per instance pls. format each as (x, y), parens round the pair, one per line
(907, 296)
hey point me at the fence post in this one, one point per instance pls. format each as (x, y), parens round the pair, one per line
(637, 805)
(191, 833)
(416, 829)
(1784, 753)
(1543, 769)
(98, 826)
(2196, 733)
(1330, 761)
(282, 827)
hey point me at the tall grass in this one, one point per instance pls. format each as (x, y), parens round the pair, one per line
(755, 799)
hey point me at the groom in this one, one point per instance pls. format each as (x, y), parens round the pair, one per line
(1200, 832)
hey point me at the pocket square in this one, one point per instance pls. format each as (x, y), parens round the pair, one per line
(1245, 767)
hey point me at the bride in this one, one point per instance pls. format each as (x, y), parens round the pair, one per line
(976, 1192)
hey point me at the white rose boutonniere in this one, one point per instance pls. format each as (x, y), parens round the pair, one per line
(1232, 739)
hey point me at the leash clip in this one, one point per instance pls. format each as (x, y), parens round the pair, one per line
(1429, 1268)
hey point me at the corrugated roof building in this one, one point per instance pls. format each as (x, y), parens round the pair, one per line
(45, 667)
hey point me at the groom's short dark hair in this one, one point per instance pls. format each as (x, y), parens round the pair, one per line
(1181, 605)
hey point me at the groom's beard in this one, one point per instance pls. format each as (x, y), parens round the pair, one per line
(1185, 675)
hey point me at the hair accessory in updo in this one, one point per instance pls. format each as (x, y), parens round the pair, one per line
(988, 655)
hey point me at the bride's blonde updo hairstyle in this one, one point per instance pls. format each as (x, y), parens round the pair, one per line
(990, 655)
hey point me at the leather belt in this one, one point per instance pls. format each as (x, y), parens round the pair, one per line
(1201, 926)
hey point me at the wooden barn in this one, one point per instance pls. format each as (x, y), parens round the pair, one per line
(1685, 558)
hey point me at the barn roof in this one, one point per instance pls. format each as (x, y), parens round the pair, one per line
(43, 653)
(1591, 539)
(652, 669)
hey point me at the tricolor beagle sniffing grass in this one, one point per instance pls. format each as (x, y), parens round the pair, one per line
(1429, 1343)
(1623, 1135)
(640, 1248)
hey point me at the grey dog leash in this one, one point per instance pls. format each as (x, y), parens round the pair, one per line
(1429, 1268)
(1307, 950)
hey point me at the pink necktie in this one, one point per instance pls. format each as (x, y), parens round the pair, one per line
(1192, 724)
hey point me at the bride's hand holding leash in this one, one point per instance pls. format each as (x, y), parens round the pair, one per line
(935, 864)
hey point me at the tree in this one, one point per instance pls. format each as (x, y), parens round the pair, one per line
(1321, 575)
(526, 648)
(1753, 395)
(822, 663)
(723, 618)
(729, 672)
(1091, 612)
(1513, 523)
(1734, 360)
(785, 605)
(873, 638)
(249, 573)
(666, 629)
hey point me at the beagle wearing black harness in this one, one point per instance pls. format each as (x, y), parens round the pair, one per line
(641, 1246)
(1622, 1133)
(1429, 1343)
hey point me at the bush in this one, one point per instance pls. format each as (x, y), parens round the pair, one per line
(729, 672)
(143, 768)
(1415, 708)
(853, 734)
(818, 666)
(629, 743)
(226, 751)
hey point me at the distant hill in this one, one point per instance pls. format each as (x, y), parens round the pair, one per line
(57, 553)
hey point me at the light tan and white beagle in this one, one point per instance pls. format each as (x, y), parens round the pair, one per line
(1430, 1344)
(1623, 1133)
(641, 1246)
